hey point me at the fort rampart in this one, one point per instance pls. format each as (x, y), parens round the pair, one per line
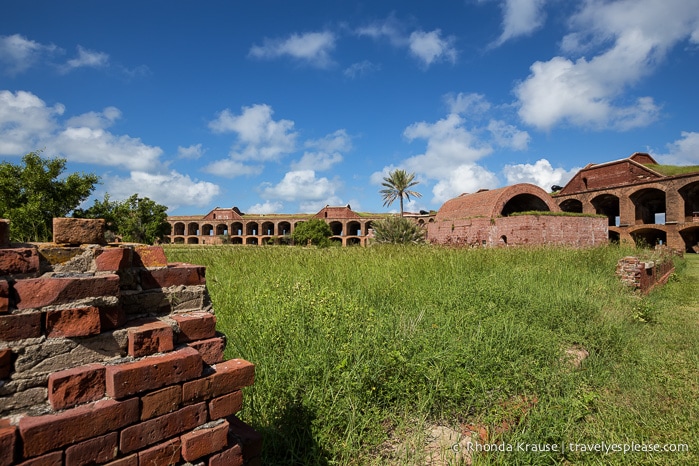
(110, 355)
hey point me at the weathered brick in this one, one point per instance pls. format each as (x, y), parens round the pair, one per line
(4, 296)
(112, 317)
(148, 337)
(4, 232)
(76, 322)
(97, 450)
(52, 459)
(71, 387)
(20, 326)
(8, 442)
(78, 231)
(204, 441)
(41, 434)
(230, 457)
(173, 275)
(226, 405)
(5, 363)
(131, 460)
(229, 376)
(195, 326)
(19, 261)
(113, 259)
(211, 350)
(164, 454)
(249, 439)
(155, 430)
(38, 292)
(153, 372)
(161, 402)
(149, 256)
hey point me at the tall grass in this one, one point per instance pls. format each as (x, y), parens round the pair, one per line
(357, 348)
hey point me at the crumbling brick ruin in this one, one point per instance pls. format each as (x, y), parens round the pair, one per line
(644, 275)
(110, 355)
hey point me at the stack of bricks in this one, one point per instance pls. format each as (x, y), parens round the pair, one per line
(643, 276)
(109, 355)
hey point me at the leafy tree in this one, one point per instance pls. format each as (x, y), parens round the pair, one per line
(136, 219)
(398, 230)
(314, 231)
(32, 194)
(397, 186)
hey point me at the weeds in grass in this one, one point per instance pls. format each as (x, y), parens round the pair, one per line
(358, 350)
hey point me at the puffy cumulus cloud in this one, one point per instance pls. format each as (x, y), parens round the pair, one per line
(304, 187)
(431, 47)
(171, 189)
(193, 152)
(26, 122)
(95, 120)
(541, 173)
(471, 104)
(228, 168)
(86, 59)
(391, 28)
(267, 207)
(311, 207)
(509, 136)
(100, 147)
(260, 137)
(328, 152)
(630, 38)
(466, 178)
(18, 54)
(684, 151)
(520, 18)
(313, 48)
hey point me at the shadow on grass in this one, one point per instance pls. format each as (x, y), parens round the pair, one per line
(291, 441)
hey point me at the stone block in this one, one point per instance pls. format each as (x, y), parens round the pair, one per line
(78, 231)
(19, 261)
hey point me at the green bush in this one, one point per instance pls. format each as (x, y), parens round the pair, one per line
(398, 230)
(314, 231)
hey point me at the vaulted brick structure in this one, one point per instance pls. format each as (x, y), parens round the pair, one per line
(486, 219)
(641, 203)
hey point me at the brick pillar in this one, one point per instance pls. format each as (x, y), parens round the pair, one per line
(674, 205)
(627, 211)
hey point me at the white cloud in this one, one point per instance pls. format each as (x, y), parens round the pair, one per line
(509, 136)
(95, 120)
(328, 152)
(588, 92)
(267, 207)
(360, 69)
(171, 189)
(467, 103)
(193, 152)
(430, 47)
(313, 48)
(228, 168)
(259, 137)
(317, 161)
(684, 151)
(86, 59)
(26, 122)
(301, 185)
(466, 178)
(18, 53)
(95, 145)
(521, 18)
(541, 173)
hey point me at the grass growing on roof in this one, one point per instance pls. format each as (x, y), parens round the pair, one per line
(358, 349)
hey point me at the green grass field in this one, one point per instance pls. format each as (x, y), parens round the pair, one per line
(360, 353)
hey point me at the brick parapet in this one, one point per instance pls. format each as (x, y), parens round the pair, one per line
(644, 275)
(110, 355)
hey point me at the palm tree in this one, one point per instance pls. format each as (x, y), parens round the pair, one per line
(398, 184)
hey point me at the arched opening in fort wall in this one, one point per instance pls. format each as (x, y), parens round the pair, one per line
(523, 203)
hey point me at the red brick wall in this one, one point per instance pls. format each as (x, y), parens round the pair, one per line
(520, 230)
(110, 355)
(644, 275)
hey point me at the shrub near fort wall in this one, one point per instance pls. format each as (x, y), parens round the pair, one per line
(110, 355)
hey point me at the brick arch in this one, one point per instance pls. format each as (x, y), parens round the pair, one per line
(498, 202)
(649, 202)
(690, 236)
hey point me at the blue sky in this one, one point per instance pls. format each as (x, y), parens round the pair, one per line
(280, 106)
